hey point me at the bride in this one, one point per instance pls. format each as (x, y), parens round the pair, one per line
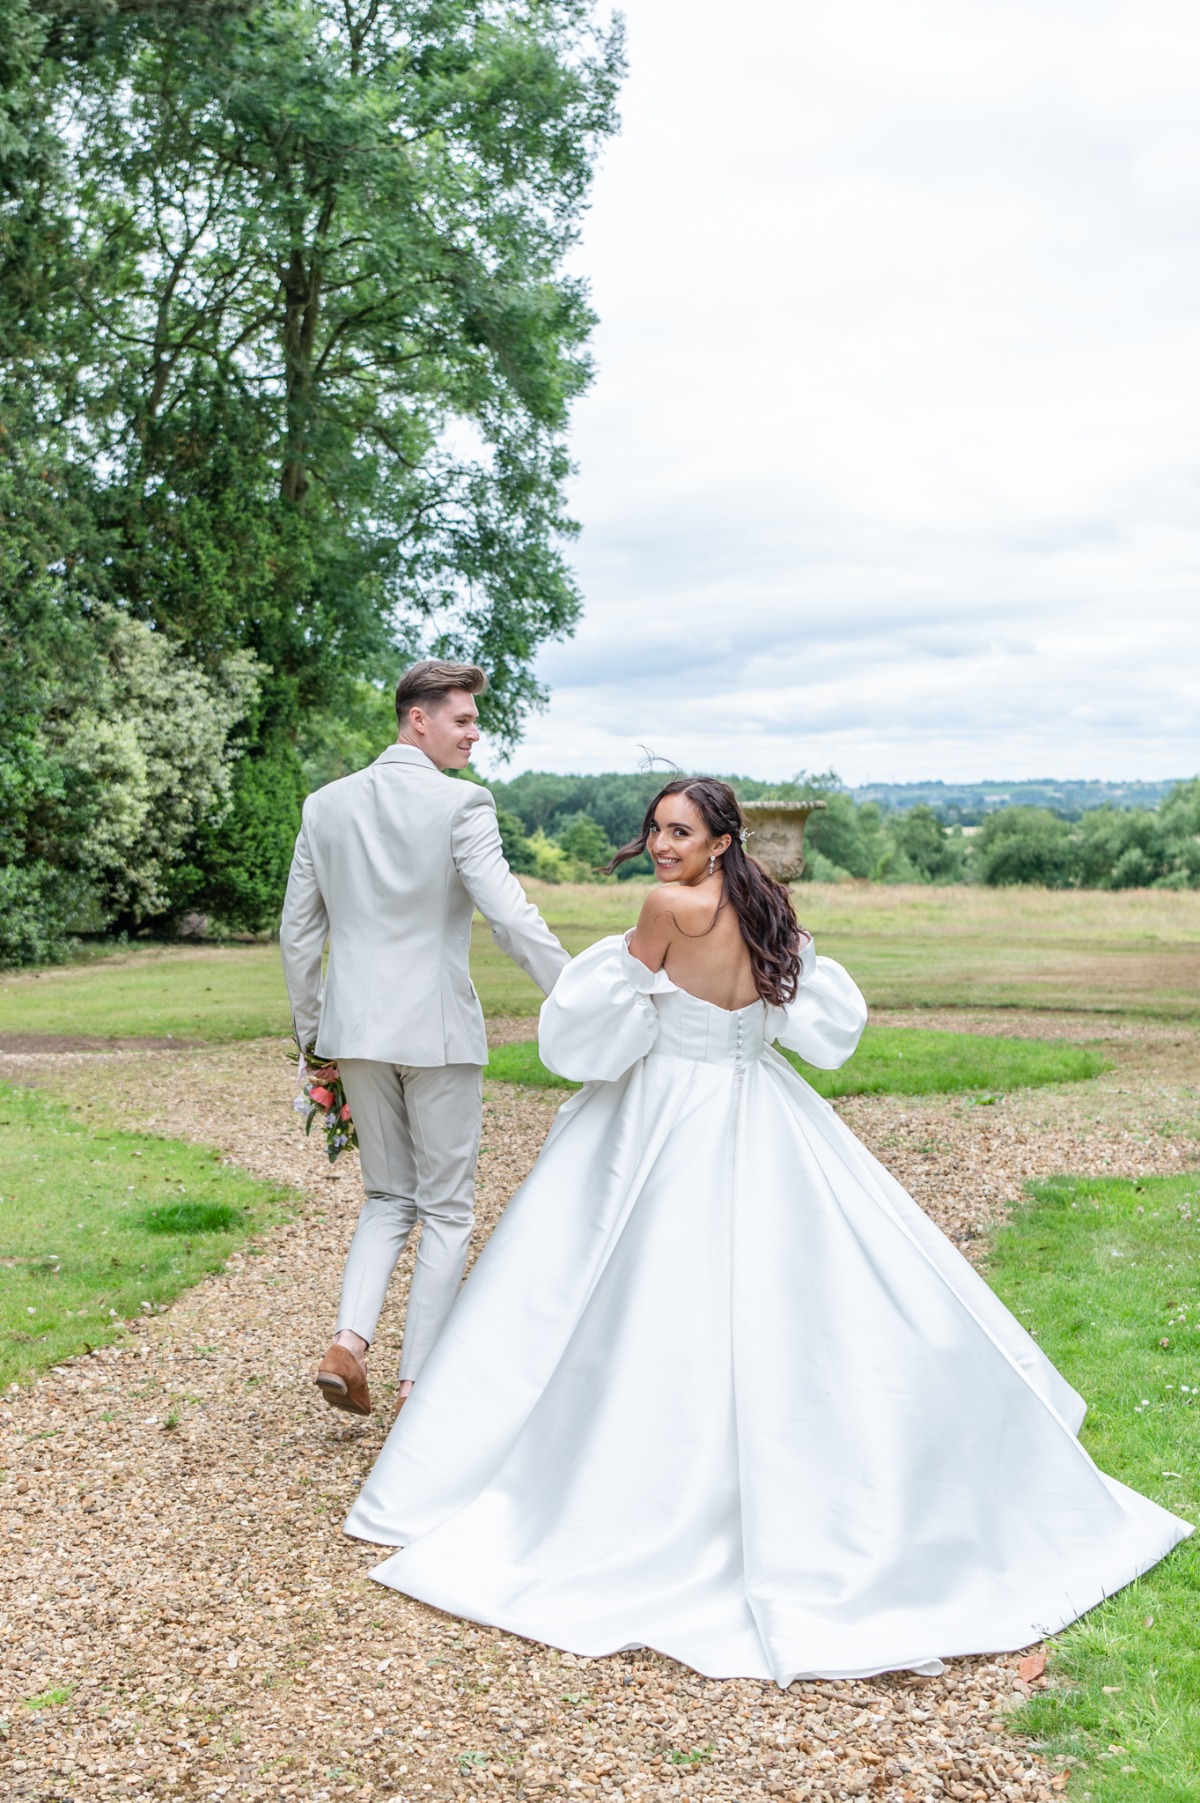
(717, 1386)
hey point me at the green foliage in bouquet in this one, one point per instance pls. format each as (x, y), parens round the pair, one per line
(321, 1099)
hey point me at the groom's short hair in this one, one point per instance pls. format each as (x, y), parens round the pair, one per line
(428, 684)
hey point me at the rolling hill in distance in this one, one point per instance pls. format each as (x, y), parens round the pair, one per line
(971, 801)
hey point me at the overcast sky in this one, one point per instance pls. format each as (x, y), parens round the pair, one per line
(891, 461)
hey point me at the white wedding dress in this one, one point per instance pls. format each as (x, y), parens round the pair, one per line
(717, 1386)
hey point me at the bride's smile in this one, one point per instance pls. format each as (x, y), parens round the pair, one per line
(680, 845)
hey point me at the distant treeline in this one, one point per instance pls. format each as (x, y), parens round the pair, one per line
(562, 828)
(969, 804)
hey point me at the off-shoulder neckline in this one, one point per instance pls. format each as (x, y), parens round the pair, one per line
(659, 983)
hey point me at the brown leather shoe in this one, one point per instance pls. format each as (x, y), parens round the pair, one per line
(342, 1381)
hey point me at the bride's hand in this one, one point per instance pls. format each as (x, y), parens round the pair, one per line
(327, 1073)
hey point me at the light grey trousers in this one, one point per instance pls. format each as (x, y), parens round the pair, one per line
(418, 1141)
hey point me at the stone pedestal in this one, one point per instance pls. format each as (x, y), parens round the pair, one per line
(776, 835)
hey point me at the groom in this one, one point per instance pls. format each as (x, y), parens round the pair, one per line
(389, 865)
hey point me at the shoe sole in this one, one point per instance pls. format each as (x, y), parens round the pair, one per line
(337, 1396)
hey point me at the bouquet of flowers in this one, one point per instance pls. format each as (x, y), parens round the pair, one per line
(321, 1097)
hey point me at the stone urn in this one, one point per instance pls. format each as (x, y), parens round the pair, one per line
(776, 835)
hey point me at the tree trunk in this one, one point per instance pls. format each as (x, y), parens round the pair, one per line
(302, 298)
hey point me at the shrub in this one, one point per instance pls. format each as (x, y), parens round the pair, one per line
(154, 742)
(935, 855)
(38, 896)
(35, 915)
(114, 751)
(514, 843)
(49, 661)
(820, 869)
(1120, 848)
(550, 861)
(1024, 845)
(584, 841)
(1180, 816)
(238, 869)
(842, 835)
(1180, 812)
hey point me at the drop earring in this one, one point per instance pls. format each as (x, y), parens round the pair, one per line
(712, 864)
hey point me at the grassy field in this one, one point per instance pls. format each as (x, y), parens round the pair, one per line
(906, 1061)
(1106, 1273)
(1132, 951)
(160, 992)
(97, 1227)
(1126, 951)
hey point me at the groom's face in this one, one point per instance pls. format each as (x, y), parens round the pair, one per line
(448, 734)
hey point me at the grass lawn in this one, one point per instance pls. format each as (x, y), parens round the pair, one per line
(96, 1227)
(1130, 951)
(1105, 1271)
(905, 1061)
(156, 992)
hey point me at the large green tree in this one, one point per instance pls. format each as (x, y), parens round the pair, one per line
(292, 332)
(331, 348)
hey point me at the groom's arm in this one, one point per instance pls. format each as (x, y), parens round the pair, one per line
(517, 927)
(302, 934)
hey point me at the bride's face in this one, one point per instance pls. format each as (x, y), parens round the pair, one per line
(679, 843)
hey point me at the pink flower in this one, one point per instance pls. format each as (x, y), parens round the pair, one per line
(321, 1097)
(345, 1114)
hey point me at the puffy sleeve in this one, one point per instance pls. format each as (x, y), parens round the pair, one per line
(825, 1022)
(599, 1019)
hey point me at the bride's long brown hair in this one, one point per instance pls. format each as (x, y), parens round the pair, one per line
(763, 906)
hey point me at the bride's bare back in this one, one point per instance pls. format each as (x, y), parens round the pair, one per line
(686, 927)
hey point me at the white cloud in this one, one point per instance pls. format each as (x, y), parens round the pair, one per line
(891, 460)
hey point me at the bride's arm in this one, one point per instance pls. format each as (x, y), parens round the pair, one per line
(825, 1022)
(599, 1018)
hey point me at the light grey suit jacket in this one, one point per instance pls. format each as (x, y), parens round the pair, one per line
(390, 863)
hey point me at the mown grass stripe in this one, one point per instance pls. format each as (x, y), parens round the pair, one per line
(97, 1227)
(909, 1061)
(1105, 1272)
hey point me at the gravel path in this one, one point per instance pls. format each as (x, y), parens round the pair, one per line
(187, 1596)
